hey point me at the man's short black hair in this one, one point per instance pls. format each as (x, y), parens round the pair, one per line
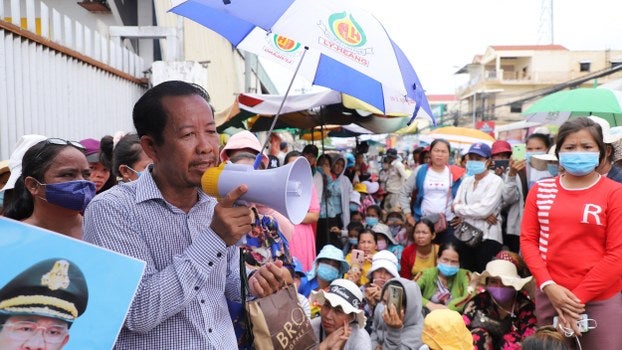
(311, 149)
(150, 117)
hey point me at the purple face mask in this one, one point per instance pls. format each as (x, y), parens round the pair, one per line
(502, 294)
(74, 195)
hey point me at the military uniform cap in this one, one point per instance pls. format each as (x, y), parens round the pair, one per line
(53, 288)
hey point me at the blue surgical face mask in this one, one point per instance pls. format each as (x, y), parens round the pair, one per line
(327, 272)
(553, 169)
(353, 240)
(475, 167)
(73, 195)
(579, 163)
(447, 270)
(370, 221)
(138, 173)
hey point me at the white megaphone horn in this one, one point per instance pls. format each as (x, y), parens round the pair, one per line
(286, 189)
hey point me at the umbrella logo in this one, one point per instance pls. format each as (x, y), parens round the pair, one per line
(285, 44)
(347, 29)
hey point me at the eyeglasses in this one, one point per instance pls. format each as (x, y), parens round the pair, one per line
(25, 330)
(63, 142)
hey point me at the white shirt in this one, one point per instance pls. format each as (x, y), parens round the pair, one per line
(435, 189)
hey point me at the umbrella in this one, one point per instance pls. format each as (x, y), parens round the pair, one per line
(459, 137)
(332, 45)
(558, 107)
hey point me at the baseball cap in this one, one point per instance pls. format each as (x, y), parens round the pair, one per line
(500, 146)
(91, 150)
(481, 149)
(15, 161)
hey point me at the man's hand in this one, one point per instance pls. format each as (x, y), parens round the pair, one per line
(269, 278)
(231, 223)
(391, 318)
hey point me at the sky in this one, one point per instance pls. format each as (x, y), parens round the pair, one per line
(441, 36)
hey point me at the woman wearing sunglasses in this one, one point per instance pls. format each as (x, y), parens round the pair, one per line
(54, 188)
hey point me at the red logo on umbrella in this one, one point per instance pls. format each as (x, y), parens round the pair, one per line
(286, 44)
(346, 29)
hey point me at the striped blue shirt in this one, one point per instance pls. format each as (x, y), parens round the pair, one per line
(181, 300)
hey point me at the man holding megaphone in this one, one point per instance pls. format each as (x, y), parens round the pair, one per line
(186, 237)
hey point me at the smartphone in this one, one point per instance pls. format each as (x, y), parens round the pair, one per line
(394, 297)
(519, 151)
(500, 163)
(358, 257)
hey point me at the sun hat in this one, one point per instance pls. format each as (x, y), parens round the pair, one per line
(91, 150)
(481, 149)
(355, 197)
(372, 186)
(344, 293)
(15, 161)
(386, 260)
(384, 230)
(241, 140)
(500, 146)
(360, 187)
(444, 329)
(506, 271)
(608, 137)
(539, 161)
(331, 252)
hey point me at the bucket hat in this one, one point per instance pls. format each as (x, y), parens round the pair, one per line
(384, 230)
(444, 329)
(241, 140)
(386, 260)
(331, 252)
(343, 293)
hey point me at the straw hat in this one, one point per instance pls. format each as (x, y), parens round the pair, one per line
(504, 270)
(344, 293)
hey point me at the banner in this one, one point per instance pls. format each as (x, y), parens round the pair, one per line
(61, 291)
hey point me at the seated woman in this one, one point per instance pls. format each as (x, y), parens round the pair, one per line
(53, 188)
(341, 322)
(327, 267)
(502, 316)
(393, 330)
(421, 253)
(366, 243)
(446, 285)
(383, 268)
(385, 241)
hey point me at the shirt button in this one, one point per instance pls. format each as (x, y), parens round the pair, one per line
(196, 288)
(202, 301)
(209, 330)
(219, 254)
(210, 263)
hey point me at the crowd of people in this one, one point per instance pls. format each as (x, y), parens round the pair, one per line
(380, 259)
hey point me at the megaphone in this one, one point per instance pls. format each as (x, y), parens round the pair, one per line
(286, 189)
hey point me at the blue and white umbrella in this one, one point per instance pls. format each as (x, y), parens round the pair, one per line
(344, 48)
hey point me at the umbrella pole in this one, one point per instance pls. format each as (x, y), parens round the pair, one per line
(278, 113)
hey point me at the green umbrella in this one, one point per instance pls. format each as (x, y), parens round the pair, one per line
(558, 107)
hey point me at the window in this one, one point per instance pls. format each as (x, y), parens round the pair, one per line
(516, 107)
(584, 66)
(616, 64)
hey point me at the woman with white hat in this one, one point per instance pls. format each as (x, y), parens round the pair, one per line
(341, 321)
(503, 315)
(383, 268)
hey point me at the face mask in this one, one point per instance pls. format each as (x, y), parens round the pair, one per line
(138, 173)
(353, 240)
(354, 207)
(74, 195)
(502, 294)
(327, 272)
(395, 229)
(553, 169)
(371, 222)
(475, 167)
(447, 270)
(579, 163)
(381, 245)
(391, 221)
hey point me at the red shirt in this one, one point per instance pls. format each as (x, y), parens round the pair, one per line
(574, 237)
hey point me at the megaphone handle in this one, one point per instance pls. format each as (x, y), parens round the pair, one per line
(258, 160)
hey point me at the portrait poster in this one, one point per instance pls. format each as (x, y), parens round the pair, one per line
(111, 281)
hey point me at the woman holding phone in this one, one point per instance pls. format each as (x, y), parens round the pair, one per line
(571, 241)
